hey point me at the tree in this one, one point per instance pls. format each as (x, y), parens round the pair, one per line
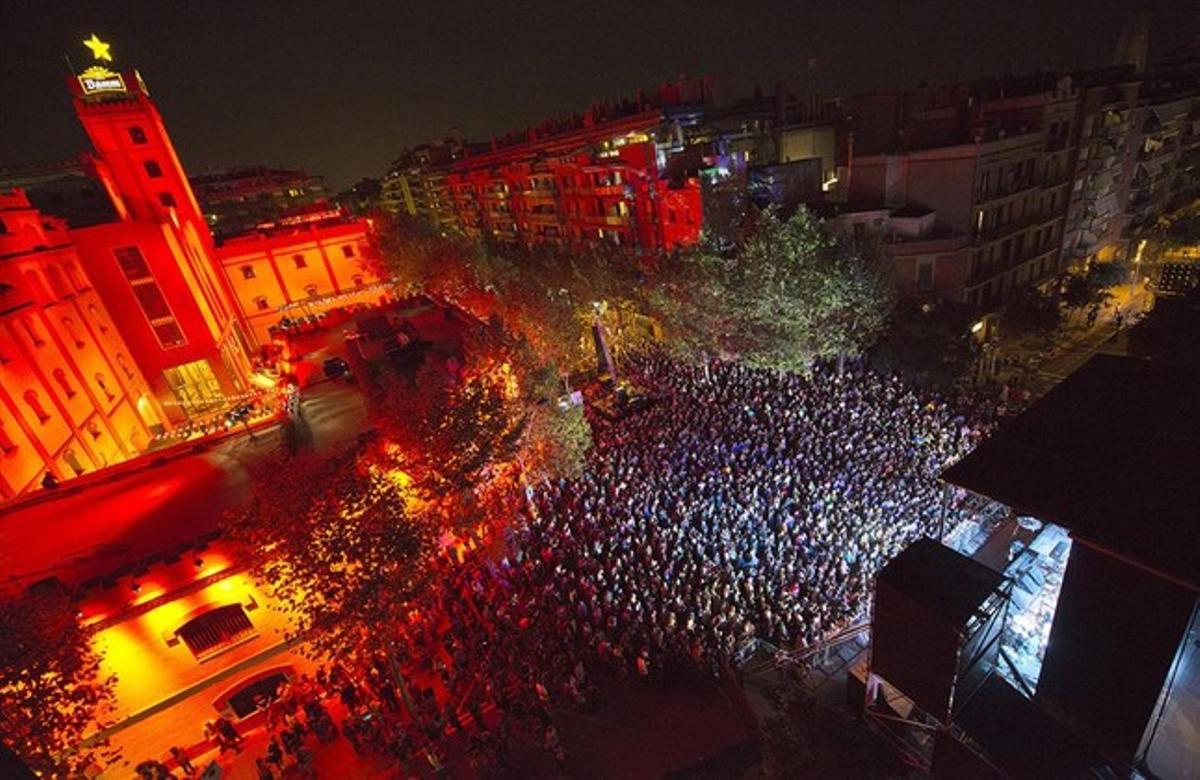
(335, 543)
(928, 341)
(52, 691)
(1031, 312)
(556, 441)
(419, 260)
(457, 434)
(788, 295)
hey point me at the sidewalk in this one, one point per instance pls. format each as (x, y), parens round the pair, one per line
(1040, 363)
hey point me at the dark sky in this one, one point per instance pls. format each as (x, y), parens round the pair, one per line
(338, 88)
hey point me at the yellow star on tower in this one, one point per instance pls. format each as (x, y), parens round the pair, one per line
(99, 48)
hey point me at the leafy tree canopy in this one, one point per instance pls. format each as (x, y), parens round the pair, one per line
(52, 691)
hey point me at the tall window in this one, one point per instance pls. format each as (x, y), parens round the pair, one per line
(35, 405)
(7, 445)
(74, 277)
(216, 629)
(300, 261)
(95, 315)
(149, 296)
(153, 170)
(72, 332)
(57, 282)
(103, 385)
(60, 377)
(124, 364)
(925, 275)
(31, 331)
(347, 250)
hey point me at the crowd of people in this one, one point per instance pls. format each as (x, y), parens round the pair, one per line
(736, 505)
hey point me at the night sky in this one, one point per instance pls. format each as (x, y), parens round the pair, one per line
(339, 88)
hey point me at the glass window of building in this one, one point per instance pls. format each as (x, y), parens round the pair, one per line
(300, 261)
(137, 135)
(153, 170)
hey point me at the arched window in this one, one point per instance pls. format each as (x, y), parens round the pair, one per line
(74, 278)
(103, 385)
(95, 315)
(73, 332)
(35, 405)
(7, 445)
(124, 364)
(31, 331)
(35, 286)
(60, 376)
(73, 461)
(58, 284)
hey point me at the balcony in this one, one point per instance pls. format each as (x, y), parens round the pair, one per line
(611, 221)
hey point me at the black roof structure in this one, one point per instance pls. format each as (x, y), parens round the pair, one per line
(1112, 454)
(1022, 740)
(949, 584)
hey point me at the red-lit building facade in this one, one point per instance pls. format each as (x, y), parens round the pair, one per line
(72, 398)
(117, 328)
(300, 265)
(615, 174)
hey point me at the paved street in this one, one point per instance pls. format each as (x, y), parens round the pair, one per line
(156, 503)
(633, 730)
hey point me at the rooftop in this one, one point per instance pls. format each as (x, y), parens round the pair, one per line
(945, 581)
(1111, 454)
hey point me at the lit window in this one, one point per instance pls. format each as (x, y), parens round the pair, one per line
(261, 304)
(137, 135)
(35, 406)
(167, 199)
(153, 170)
(60, 376)
(247, 272)
(300, 261)
(347, 250)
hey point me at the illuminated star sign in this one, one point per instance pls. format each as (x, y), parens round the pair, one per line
(99, 48)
